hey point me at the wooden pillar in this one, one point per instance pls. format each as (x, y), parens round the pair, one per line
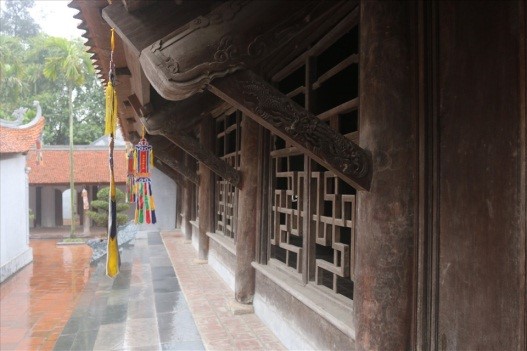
(247, 195)
(206, 191)
(386, 225)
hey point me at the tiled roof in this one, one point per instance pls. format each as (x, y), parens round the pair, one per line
(90, 166)
(20, 139)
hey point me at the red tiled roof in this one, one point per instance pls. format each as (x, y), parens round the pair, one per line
(90, 166)
(20, 139)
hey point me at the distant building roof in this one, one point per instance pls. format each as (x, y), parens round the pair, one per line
(90, 165)
(19, 139)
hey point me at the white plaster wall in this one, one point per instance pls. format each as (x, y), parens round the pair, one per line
(223, 271)
(164, 190)
(280, 326)
(33, 202)
(48, 206)
(195, 234)
(14, 215)
(66, 204)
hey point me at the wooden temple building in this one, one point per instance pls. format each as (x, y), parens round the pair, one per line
(356, 170)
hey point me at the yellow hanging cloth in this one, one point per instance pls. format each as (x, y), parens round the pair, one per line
(111, 96)
(113, 260)
(111, 110)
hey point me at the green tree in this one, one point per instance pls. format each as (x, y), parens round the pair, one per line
(22, 80)
(89, 108)
(12, 75)
(15, 19)
(100, 215)
(68, 63)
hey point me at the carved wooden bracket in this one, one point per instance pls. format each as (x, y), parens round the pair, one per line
(177, 166)
(195, 149)
(235, 35)
(176, 115)
(266, 105)
(170, 122)
(171, 173)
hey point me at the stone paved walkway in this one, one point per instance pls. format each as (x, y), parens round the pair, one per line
(143, 308)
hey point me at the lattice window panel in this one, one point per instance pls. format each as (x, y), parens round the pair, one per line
(287, 212)
(325, 83)
(228, 149)
(333, 221)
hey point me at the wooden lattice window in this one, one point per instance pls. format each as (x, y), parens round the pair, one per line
(228, 149)
(326, 84)
(287, 213)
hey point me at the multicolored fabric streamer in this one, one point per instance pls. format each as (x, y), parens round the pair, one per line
(130, 178)
(145, 209)
(113, 260)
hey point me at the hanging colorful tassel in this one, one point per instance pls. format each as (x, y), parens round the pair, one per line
(130, 178)
(113, 260)
(145, 207)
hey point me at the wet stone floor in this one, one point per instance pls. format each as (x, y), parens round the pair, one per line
(59, 302)
(143, 308)
(37, 301)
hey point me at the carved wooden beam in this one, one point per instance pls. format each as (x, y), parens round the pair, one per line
(142, 28)
(176, 115)
(233, 36)
(139, 84)
(195, 149)
(177, 166)
(133, 5)
(276, 112)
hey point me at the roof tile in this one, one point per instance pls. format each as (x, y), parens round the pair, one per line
(90, 166)
(20, 139)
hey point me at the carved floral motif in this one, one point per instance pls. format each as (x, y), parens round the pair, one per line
(305, 129)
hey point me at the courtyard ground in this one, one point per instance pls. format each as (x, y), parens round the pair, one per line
(162, 300)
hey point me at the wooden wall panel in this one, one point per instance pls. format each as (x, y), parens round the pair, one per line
(481, 273)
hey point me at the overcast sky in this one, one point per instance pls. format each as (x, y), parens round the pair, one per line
(56, 18)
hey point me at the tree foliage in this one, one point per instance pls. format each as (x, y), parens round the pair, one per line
(15, 19)
(51, 70)
(100, 215)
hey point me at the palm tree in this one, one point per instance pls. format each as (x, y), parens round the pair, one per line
(68, 62)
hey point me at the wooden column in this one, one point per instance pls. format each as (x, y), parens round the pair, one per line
(386, 225)
(246, 233)
(206, 190)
